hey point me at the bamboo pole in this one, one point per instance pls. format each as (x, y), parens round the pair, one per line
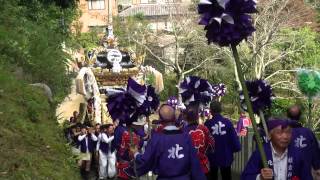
(309, 124)
(264, 124)
(249, 106)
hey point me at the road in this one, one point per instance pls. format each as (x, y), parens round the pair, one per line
(69, 104)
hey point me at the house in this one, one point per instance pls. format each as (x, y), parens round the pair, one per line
(158, 15)
(95, 14)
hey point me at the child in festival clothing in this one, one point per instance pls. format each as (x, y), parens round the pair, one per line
(200, 135)
(284, 160)
(86, 142)
(107, 154)
(169, 154)
(243, 124)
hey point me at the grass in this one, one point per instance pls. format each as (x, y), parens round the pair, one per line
(31, 142)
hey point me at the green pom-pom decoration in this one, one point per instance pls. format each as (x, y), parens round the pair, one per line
(309, 82)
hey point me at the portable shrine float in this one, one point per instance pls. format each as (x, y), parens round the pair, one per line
(106, 71)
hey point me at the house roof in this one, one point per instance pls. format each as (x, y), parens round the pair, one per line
(149, 10)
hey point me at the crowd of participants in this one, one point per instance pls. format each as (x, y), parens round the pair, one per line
(183, 144)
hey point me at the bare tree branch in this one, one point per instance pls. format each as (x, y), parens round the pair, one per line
(153, 54)
(278, 72)
(199, 65)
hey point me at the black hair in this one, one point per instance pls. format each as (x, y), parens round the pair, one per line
(105, 126)
(191, 113)
(215, 107)
(294, 115)
(83, 126)
(78, 125)
(108, 125)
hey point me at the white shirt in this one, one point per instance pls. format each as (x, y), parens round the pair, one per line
(171, 127)
(280, 165)
(81, 137)
(106, 139)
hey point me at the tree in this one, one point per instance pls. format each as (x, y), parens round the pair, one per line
(189, 48)
(267, 53)
(129, 28)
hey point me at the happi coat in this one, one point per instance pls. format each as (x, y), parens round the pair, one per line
(171, 156)
(226, 141)
(297, 168)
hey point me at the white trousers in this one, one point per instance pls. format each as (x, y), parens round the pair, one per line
(107, 165)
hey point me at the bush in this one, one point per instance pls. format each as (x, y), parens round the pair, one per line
(279, 107)
(31, 36)
(32, 146)
(29, 134)
(88, 40)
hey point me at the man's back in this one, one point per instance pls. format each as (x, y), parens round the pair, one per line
(305, 140)
(226, 140)
(170, 155)
(173, 155)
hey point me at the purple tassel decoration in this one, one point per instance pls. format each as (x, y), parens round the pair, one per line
(122, 106)
(219, 90)
(193, 88)
(227, 21)
(151, 102)
(260, 94)
(172, 101)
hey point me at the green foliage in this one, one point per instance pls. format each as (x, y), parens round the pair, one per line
(129, 28)
(150, 79)
(88, 40)
(279, 107)
(305, 44)
(31, 35)
(32, 146)
(170, 89)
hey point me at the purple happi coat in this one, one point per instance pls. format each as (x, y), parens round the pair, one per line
(297, 168)
(171, 155)
(226, 141)
(305, 141)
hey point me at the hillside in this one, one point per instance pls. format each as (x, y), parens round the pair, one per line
(31, 142)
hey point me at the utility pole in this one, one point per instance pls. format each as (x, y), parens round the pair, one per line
(110, 28)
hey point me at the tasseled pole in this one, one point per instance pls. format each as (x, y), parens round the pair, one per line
(248, 103)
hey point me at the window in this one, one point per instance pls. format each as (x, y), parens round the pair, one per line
(96, 4)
